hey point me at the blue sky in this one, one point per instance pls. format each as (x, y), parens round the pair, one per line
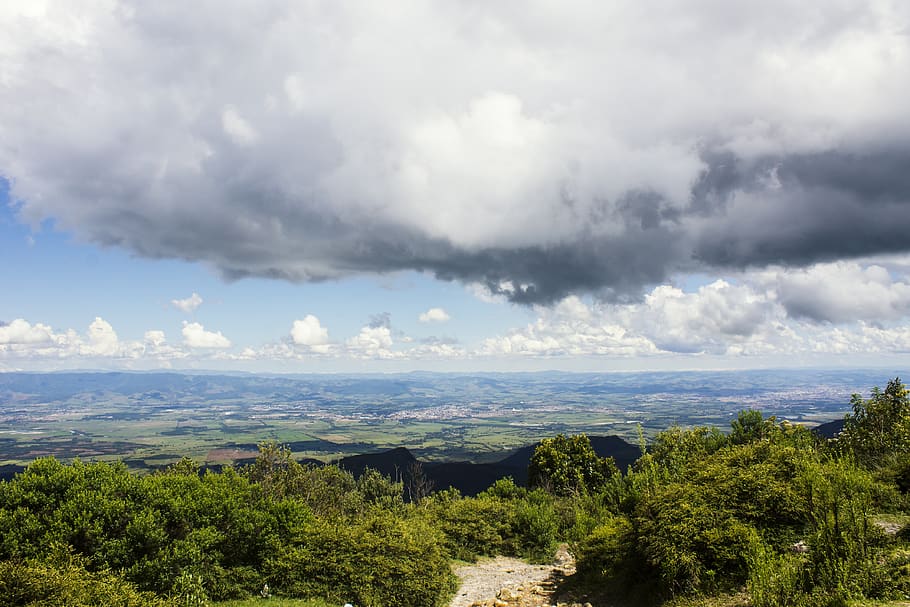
(296, 188)
(68, 284)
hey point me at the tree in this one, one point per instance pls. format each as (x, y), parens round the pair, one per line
(879, 427)
(750, 425)
(569, 466)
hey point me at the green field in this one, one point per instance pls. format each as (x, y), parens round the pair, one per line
(152, 420)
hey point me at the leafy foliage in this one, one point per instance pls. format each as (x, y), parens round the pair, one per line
(195, 537)
(62, 579)
(504, 519)
(569, 466)
(877, 433)
(704, 512)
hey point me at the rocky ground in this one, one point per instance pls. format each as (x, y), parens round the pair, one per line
(509, 582)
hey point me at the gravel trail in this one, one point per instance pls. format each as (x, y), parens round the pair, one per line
(508, 581)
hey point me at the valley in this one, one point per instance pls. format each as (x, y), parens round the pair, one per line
(150, 420)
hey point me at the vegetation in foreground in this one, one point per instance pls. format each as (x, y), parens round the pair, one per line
(766, 515)
(277, 602)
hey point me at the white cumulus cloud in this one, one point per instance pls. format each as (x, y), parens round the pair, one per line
(20, 331)
(155, 338)
(309, 332)
(371, 342)
(195, 336)
(572, 328)
(102, 339)
(434, 315)
(189, 304)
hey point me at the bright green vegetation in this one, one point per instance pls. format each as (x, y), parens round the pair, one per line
(768, 515)
(768, 507)
(276, 602)
(569, 466)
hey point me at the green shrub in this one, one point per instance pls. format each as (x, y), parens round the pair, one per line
(692, 544)
(381, 561)
(879, 426)
(64, 581)
(610, 550)
(189, 592)
(482, 525)
(536, 527)
(775, 580)
(569, 466)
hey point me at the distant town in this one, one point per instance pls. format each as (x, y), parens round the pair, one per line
(153, 419)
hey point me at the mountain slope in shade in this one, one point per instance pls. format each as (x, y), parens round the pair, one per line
(470, 478)
(396, 463)
(830, 429)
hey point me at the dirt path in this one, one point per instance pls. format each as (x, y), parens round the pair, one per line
(504, 581)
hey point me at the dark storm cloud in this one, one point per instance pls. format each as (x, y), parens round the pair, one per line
(538, 150)
(614, 267)
(801, 209)
(792, 211)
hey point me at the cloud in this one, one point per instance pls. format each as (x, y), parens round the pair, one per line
(802, 208)
(841, 292)
(20, 331)
(484, 293)
(814, 315)
(309, 332)
(189, 304)
(100, 344)
(434, 315)
(238, 129)
(565, 148)
(195, 336)
(383, 319)
(371, 342)
(775, 313)
(102, 339)
(155, 338)
(710, 319)
(571, 328)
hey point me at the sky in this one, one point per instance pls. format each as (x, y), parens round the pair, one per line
(356, 186)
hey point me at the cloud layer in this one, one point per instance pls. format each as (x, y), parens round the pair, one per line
(538, 149)
(840, 309)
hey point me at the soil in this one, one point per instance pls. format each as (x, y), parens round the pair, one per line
(504, 581)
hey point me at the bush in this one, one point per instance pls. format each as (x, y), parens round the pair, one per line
(65, 581)
(691, 543)
(471, 527)
(569, 466)
(536, 528)
(878, 426)
(189, 592)
(380, 561)
(775, 580)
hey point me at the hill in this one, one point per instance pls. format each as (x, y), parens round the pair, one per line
(471, 478)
